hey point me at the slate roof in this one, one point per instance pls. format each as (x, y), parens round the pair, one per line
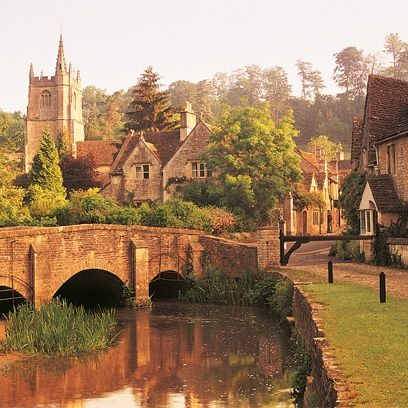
(102, 151)
(385, 195)
(386, 111)
(162, 144)
(357, 138)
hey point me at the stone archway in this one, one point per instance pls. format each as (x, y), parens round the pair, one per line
(167, 285)
(92, 288)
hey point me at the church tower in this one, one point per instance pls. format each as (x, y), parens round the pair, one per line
(54, 102)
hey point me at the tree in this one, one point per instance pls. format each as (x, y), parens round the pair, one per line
(327, 147)
(277, 91)
(46, 192)
(255, 158)
(180, 92)
(351, 72)
(397, 48)
(79, 174)
(150, 109)
(312, 81)
(12, 131)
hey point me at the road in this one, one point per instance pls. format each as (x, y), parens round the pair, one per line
(312, 253)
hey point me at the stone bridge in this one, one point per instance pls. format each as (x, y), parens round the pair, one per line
(37, 261)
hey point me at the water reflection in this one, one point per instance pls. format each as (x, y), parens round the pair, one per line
(176, 355)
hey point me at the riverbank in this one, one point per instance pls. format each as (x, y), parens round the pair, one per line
(364, 341)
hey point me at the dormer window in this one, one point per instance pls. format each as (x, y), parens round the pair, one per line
(45, 99)
(142, 171)
(199, 170)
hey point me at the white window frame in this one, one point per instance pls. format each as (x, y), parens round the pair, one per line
(367, 222)
(142, 171)
(199, 170)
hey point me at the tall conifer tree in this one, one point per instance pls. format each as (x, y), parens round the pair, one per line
(46, 192)
(150, 109)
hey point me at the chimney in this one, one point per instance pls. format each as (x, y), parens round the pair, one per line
(323, 166)
(188, 121)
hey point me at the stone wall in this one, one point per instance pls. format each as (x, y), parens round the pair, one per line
(400, 176)
(399, 247)
(324, 381)
(230, 256)
(268, 247)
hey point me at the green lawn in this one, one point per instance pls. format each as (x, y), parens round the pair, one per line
(370, 341)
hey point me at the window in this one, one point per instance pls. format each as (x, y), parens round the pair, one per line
(46, 99)
(142, 171)
(368, 221)
(391, 161)
(316, 218)
(199, 170)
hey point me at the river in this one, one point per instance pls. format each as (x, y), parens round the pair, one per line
(176, 355)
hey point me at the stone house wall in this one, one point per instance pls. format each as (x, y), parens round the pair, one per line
(401, 175)
(179, 166)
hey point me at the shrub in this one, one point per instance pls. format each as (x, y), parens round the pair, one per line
(221, 220)
(58, 329)
(174, 213)
(346, 250)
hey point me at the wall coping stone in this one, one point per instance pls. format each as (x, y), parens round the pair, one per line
(28, 231)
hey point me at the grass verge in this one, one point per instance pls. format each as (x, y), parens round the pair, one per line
(369, 341)
(58, 329)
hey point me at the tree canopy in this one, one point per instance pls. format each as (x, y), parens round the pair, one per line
(255, 159)
(149, 109)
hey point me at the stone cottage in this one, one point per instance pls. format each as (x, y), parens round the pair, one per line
(150, 165)
(379, 147)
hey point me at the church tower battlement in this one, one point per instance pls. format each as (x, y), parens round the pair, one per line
(54, 102)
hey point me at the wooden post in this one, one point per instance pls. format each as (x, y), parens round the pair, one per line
(382, 288)
(330, 272)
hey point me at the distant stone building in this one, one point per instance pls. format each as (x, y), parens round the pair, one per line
(54, 102)
(321, 177)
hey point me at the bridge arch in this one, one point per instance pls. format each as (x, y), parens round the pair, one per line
(167, 285)
(23, 288)
(92, 287)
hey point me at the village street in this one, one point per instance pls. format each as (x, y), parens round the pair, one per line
(312, 258)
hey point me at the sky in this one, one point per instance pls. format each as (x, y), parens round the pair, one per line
(112, 42)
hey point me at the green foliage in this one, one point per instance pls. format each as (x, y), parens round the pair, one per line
(302, 365)
(174, 213)
(202, 194)
(254, 182)
(12, 131)
(381, 254)
(46, 192)
(12, 209)
(89, 207)
(347, 250)
(329, 149)
(350, 197)
(149, 109)
(10, 166)
(249, 288)
(58, 329)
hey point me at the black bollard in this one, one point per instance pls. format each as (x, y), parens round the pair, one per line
(330, 272)
(382, 287)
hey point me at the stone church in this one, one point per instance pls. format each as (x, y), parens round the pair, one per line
(54, 102)
(146, 166)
